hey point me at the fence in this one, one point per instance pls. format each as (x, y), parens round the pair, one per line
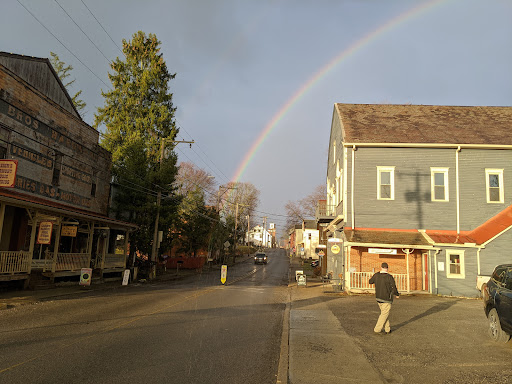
(14, 262)
(359, 280)
(71, 261)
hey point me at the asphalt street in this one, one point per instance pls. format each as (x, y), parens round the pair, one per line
(190, 331)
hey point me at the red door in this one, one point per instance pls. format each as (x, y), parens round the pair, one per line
(425, 271)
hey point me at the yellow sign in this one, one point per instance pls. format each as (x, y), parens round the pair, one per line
(335, 249)
(45, 232)
(223, 273)
(8, 172)
(69, 230)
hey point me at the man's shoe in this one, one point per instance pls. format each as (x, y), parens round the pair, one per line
(387, 333)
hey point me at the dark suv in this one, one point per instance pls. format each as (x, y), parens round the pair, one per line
(497, 296)
(260, 258)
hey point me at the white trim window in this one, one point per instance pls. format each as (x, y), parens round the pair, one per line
(439, 184)
(494, 185)
(455, 265)
(334, 152)
(385, 183)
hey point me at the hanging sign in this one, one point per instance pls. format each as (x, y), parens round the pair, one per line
(69, 230)
(85, 276)
(223, 274)
(8, 172)
(45, 232)
(382, 251)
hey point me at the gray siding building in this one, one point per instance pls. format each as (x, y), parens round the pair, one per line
(443, 172)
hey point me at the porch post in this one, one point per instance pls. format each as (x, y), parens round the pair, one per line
(56, 247)
(89, 242)
(126, 242)
(32, 242)
(407, 253)
(104, 251)
(348, 267)
(2, 217)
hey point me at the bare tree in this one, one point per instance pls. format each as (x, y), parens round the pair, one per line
(190, 178)
(245, 195)
(305, 208)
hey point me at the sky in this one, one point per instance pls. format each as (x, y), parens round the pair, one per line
(256, 80)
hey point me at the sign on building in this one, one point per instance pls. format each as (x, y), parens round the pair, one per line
(8, 170)
(44, 235)
(69, 230)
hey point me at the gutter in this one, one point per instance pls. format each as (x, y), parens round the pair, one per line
(427, 145)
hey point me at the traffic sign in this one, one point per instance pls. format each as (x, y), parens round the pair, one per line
(223, 274)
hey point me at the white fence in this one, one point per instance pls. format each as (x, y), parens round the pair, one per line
(14, 262)
(359, 280)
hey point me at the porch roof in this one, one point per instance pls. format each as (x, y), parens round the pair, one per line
(13, 197)
(392, 237)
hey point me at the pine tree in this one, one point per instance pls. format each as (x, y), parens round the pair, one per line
(63, 72)
(139, 119)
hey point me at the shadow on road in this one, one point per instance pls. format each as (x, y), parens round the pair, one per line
(432, 310)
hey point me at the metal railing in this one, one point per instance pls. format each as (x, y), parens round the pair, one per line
(324, 210)
(359, 280)
(12, 262)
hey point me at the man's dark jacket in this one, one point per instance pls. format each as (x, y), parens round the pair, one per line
(385, 287)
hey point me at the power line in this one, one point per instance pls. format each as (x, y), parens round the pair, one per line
(104, 30)
(61, 43)
(85, 34)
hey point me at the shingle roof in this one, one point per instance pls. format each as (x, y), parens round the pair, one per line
(435, 124)
(368, 236)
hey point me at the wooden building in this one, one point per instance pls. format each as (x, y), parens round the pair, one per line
(54, 220)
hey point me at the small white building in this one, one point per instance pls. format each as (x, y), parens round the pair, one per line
(259, 237)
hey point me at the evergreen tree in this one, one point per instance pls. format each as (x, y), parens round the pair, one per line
(63, 72)
(139, 118)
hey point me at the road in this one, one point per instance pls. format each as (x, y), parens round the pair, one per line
(191, 331)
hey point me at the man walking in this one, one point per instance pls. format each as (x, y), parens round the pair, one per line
(385, 289)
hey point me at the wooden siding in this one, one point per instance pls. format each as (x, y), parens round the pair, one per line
(37, 73)
(474, 209)
(457, 287)
(412, 189)
(498, 251)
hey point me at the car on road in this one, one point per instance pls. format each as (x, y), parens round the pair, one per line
(497, 297)
(315, 263)
(260, 258)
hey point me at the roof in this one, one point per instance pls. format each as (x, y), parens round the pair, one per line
(41, 203)
(433, 124)
(376, 236)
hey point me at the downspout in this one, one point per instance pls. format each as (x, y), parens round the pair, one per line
(457, 188)
(478, 260)
(352, 186)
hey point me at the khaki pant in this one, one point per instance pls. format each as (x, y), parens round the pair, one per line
(383, 320)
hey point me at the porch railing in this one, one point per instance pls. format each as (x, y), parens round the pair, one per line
(71, 261)
(111, 261)
(359, 280)
(14, 262)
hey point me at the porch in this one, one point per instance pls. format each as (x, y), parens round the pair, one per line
(14, 265)
(360, 281)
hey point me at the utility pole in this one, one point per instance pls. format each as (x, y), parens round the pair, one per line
(248, 227)
(154, 246)
(263, 237)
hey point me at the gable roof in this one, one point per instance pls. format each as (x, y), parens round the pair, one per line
(434, 124)
(40, 74)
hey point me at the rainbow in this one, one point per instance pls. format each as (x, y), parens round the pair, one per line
(319, 75)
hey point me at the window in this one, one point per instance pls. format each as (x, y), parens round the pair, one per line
(439, 184)
(494, 185)
(455, 264)
(386, 183)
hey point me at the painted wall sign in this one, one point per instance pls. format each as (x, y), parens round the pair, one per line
(33, 186)
(76, 174)
(44, 236)
(69, 230)
(30, 122)
(31, 155)
(382, 251)
(8, 169)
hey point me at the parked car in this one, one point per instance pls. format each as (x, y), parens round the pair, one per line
(260, 258)
(315, 263)
(497, 297)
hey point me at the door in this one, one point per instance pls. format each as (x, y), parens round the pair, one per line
(424, 260)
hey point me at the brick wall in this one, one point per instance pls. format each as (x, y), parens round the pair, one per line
(363, 261)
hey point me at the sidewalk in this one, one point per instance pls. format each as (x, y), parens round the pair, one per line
(320, 351)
